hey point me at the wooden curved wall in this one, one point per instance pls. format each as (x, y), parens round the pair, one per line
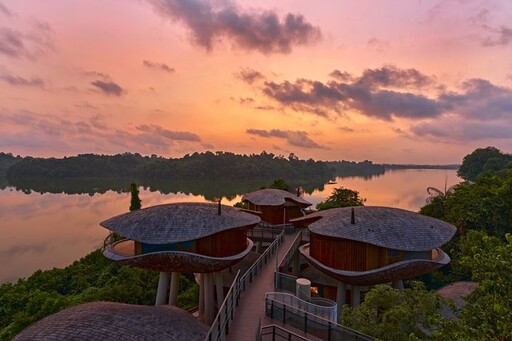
(223, 244)
(276, 215)
(344, 254)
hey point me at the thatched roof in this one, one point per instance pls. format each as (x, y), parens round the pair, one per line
(177, 222)
(274, 197)
(388, 227)
(116, 321)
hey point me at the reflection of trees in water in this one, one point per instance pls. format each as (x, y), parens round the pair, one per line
(209, 189)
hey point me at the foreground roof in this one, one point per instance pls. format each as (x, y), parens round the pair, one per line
(274, 197)
(177, 222)
(117, 321)
(387, 227)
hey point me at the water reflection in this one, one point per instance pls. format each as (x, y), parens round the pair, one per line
(49, 228)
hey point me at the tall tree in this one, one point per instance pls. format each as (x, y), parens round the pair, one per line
(341, 197)
(135, 202)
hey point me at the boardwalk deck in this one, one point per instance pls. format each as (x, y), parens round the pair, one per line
(251, 308)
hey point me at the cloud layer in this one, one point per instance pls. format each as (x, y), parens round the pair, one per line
(260, 31)
(158, 66)
(293, 138)
(478, 109)
(42, 132)
(108, 87)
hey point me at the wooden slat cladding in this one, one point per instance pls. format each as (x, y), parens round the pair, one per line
(346, 254)
(223, 244)
(276, 215)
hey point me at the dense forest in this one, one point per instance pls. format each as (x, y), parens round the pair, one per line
(203, 166)
(365, 168)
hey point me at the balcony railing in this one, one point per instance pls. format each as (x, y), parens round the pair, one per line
(327, 310)
(311, 324)
(275, 333)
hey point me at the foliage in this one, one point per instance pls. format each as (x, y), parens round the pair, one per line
(341, 197)
(92, 278)
(279, 184)
(206, 166)
(366, 168)
(485, 204)
(484, 161)
(135, 202)
(387, 314)
(488, 314)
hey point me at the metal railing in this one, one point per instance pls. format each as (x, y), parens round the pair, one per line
(273, 332)
(328, 310)
(291, 251)
(263, 259)
(220, 326)
(311, 324)
(285, 282)
(264, 232)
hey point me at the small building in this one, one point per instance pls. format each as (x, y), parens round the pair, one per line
(200, 238)
(277, 207)
(116, 321)
(365, 245)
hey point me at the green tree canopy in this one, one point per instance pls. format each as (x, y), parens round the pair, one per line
(483, 160)
(341, 197)
(389, 315)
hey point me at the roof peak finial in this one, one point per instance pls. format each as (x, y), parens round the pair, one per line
(219, 209)
(353, 217)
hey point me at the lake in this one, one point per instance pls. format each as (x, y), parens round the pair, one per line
(42, 229)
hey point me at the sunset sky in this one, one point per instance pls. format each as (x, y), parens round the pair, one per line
(393, 81)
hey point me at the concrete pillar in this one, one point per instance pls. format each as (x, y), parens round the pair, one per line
(399, 285)
(208, 298)
(258, 246)
(219, 285)
(356, 296)
(163, 286)
(340, 295)
(296, 264)
(173, 293)
(201, 297)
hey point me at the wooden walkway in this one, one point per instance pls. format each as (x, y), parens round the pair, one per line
(251, 307)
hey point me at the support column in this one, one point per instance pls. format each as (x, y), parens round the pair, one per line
(399, 285)
(296, 264)
(173, 293)
(258, 246)
(208, 298)
(201, 297)
(163, 286)
(356, 296)
(340, 295)
(220, 288)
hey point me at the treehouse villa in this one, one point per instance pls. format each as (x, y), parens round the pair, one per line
(300, 278)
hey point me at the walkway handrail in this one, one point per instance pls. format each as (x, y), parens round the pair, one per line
(220, 326)
(310, 323)
(322, 311)
(291, 250)
(265, 256)
(282, 333)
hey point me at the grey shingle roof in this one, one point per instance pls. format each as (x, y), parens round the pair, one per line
(115, 321)
(274, 197)
(177, 222)
(388, 227)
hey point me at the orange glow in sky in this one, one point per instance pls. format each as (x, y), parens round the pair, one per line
(396, 81)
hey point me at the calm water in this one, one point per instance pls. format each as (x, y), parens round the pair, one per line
(42, 231)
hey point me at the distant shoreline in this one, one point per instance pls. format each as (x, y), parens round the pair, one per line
(407, 166)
